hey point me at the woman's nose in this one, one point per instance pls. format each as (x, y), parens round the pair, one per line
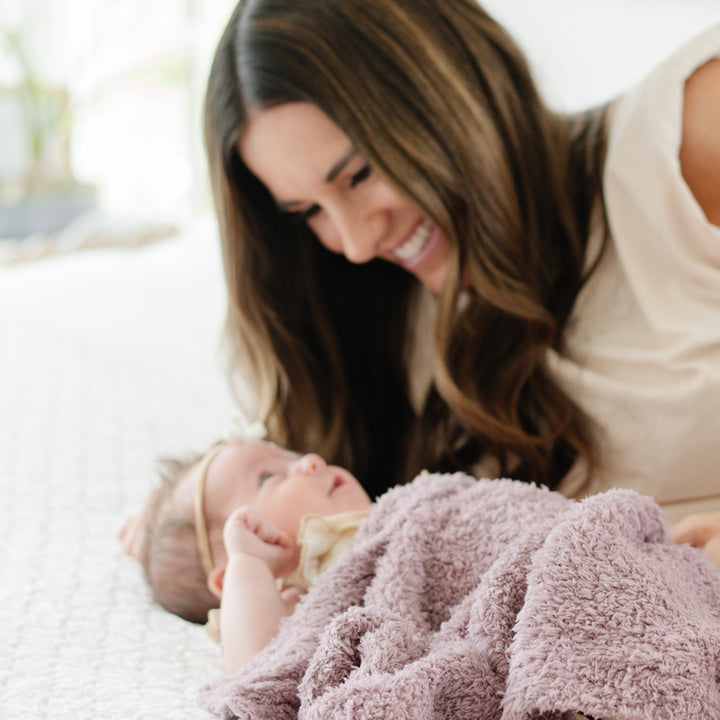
(358, 246)
(310, 463)
(361, 231)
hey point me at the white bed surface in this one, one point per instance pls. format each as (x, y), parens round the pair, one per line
(108, 361)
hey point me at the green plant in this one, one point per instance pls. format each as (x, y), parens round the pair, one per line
(46, 114)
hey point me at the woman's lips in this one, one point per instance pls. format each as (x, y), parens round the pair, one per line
(410, 249)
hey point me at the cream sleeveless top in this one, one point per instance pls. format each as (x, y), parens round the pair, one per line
(642, 355)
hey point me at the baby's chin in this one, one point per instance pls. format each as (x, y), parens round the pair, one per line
(347, 492)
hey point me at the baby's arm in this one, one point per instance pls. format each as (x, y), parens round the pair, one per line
(252, 606)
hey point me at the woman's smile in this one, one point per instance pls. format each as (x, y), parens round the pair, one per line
(409, 250)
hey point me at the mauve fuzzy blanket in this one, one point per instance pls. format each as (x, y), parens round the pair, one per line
(482, 599)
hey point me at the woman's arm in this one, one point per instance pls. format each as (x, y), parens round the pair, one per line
(700, 149)
(252, 605)
(700, 163)
(700, 531)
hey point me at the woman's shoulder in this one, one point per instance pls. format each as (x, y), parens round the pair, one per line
(653, 109)
(700, 147)
(647, 192)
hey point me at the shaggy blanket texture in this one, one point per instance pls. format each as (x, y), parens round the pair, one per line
(470, 599)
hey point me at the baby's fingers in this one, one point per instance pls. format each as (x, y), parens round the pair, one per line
(126, 531)
(270, 533)
(291, 595)
(130, 536)
(248, 531)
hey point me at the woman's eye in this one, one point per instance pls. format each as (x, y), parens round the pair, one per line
(361, 175)
(301, 217)
(265, 476)
(305, 215)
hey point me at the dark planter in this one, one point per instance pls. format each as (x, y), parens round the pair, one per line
(44, 214)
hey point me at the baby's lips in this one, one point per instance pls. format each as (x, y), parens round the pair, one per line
(338, 482)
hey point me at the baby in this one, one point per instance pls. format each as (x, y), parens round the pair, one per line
(249, 523)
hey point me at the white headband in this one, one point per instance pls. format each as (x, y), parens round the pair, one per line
(240, 432)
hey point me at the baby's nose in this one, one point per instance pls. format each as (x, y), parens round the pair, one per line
(310, 463)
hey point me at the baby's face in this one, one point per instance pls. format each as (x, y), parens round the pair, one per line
(280, 485)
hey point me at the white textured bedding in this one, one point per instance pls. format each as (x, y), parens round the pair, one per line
(107, 361)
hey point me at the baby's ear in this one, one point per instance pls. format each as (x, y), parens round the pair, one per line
(215, 580)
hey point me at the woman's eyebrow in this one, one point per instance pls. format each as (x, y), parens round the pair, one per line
(334, 171)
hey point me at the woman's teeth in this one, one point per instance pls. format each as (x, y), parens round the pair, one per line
(414, 245)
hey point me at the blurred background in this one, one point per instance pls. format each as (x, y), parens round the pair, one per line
(100, 104)
(100, 100)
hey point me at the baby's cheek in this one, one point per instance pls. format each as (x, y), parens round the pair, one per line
(285, 512)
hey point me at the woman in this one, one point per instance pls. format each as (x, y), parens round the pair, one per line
(429, 268)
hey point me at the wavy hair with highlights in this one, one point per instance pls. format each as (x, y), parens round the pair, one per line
(439, 98)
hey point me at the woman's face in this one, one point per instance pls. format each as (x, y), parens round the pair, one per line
(313, 171)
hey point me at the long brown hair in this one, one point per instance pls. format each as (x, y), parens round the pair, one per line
(440, 100)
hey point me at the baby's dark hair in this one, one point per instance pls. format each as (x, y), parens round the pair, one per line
(170, 555)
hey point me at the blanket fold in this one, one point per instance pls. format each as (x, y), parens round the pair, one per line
(467, 599)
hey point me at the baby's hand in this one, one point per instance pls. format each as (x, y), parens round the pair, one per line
(247, 532)
(130, 536)
(132, 533)
(290, 596)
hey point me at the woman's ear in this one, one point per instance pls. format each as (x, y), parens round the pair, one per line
(215, 580)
